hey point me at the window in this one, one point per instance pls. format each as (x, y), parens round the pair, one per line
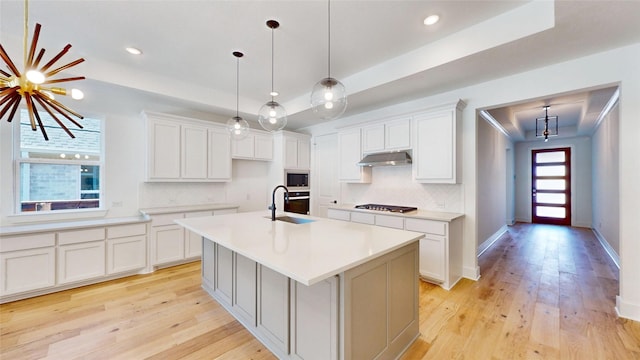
(62, 173)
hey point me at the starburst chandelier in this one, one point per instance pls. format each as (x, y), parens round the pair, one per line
(36, 85)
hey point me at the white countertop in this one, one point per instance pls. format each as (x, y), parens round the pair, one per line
(418, 214)
(70, 225)
(307, 253)
(186, 208)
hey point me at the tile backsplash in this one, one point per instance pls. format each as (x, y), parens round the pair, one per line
(393, 185)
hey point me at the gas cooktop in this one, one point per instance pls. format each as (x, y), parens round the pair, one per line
(391, 208)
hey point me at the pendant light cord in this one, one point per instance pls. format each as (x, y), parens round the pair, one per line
(237, 86)
(26, 29)
(272, 67)
(329, 38)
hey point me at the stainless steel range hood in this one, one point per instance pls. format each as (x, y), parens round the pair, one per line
(386, 159)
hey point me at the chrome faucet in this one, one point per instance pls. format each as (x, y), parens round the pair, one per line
(273, 200)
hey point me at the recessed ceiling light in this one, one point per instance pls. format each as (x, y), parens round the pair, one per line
(136, 51)
(431, 19)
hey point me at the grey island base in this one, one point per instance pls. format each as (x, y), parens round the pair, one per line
(323, 289)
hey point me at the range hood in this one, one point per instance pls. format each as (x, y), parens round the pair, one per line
(386, 159)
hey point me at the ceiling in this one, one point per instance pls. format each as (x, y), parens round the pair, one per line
(380, 50)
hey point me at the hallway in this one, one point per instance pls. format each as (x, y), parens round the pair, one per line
(546, 292)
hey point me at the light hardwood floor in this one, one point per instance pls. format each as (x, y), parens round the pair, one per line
(546, 292)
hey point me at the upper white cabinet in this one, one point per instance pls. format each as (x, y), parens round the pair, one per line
(258, 145)
(438, 145)
(388, 136)
(350, 150)
(296, 150)
(186, 150)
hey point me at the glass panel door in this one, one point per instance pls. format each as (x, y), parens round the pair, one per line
(551, 186)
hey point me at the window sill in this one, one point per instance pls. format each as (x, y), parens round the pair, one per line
(60, 215)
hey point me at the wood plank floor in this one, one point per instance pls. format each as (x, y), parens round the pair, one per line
(546, 292)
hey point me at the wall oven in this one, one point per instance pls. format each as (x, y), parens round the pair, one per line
(298, 202)
(296, 180)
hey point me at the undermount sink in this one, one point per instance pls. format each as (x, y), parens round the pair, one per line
(290, 219)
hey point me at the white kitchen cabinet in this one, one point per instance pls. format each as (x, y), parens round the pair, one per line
(315, 305)
(350, 153)
(81, 261)
(438, 145)
(296, 151)
(339, 214)
(163, 150)
(258, 145)
(387, 136)
(363, 218)
(81, 255)
(219, 155)
(170, 243)
(244, 288)
(273, 308)
(223, 281)
(126, 248)
(440, 249)
(28, 262)
(186, 150)
(194, 160)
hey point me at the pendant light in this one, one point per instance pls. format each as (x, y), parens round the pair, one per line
(542, 125)
(237, 126)
(329, 97)
(272, 116)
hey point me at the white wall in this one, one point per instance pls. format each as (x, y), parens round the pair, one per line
(580, 177)
(393, 185)
(492, 181)
(606, 198)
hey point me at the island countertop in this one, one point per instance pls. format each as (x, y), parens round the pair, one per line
(307, 253)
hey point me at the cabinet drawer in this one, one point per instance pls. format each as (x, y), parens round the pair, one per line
(165, 219)
(80, 236)
(363, 218)
(225, 211)
(24, 242)
(195, 214)
(395, 222)
(339, 214)
(426, 226)
(121, 231)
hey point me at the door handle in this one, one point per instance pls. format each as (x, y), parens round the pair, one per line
(334, 202)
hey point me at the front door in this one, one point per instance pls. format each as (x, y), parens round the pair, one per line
(551, 186)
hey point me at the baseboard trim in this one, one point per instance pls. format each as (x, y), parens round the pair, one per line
(491, 240)
(607, 248)
(471, 273)
(627, 310)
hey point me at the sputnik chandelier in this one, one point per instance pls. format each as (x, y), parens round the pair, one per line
(34, 84)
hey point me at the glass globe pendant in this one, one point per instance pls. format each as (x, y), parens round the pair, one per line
(328, 98)
(272, 116)
(237, 126)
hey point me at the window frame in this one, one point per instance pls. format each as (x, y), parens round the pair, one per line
(18, 160)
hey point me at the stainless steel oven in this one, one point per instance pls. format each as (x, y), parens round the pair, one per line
(298, 202)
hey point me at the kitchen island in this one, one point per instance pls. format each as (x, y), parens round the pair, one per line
(320, 289)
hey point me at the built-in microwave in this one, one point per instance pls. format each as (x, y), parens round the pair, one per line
(297, 179)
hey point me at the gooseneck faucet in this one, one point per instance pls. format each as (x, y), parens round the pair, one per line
(273, 200)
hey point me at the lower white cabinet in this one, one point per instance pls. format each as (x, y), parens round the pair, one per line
(273, 308)
(81, 261)
(170, 243)
(126, 248)
(440, 249)
(26, 270)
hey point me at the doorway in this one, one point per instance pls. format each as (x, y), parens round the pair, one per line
(551, 186)
(325, 185)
